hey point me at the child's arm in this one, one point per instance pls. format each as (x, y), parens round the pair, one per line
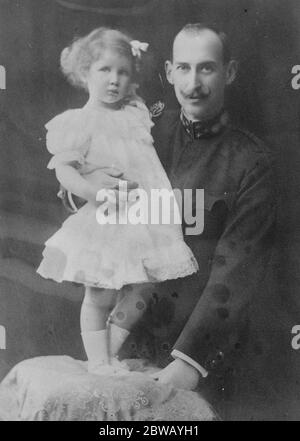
(71, 179)
(107, 178)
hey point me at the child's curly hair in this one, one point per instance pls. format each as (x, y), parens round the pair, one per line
(76, 59)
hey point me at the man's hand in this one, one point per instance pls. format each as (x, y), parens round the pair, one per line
(180, 374)
(106, 177)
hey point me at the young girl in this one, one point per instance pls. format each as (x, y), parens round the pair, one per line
(112, 261)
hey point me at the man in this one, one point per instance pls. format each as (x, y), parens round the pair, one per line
(199, 148)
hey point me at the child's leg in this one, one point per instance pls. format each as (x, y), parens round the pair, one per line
(95, 309)
(126, 314)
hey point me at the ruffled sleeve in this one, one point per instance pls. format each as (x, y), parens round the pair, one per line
(67, 138)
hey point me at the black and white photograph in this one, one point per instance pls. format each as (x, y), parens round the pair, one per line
(149, 212)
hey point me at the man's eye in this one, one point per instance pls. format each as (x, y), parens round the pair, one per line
(182, 67)
(207, 69)
(104, 69)
(124, 72)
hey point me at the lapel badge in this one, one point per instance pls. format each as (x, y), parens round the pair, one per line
(157, 109)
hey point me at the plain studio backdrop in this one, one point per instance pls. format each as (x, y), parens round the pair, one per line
(41, 317)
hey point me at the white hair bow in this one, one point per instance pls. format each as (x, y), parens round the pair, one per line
(137, 46)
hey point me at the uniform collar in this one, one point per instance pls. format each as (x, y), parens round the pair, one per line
(205, 129)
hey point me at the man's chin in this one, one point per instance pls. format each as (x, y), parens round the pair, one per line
(197, 112)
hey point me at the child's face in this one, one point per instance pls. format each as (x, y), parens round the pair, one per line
(109, 78)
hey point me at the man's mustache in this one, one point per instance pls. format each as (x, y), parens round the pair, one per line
(198, 93)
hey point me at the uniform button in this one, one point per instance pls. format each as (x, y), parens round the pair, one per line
(216, 361)
(220, 356)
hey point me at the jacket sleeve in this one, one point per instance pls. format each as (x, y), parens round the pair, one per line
(214, 331)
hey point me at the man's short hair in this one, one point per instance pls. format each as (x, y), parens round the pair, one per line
(197, 28)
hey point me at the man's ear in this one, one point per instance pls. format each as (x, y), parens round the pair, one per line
(169, 71)
(232, 68)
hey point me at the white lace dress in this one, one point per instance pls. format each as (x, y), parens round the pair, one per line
(112, 255)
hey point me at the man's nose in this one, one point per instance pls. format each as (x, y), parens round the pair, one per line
(194, 80)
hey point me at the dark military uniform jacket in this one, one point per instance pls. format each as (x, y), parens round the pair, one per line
(206, 316)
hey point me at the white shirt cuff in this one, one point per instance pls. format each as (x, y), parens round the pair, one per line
(189, 360)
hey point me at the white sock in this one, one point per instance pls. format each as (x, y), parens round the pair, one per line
(95, 345)
(117, 337)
